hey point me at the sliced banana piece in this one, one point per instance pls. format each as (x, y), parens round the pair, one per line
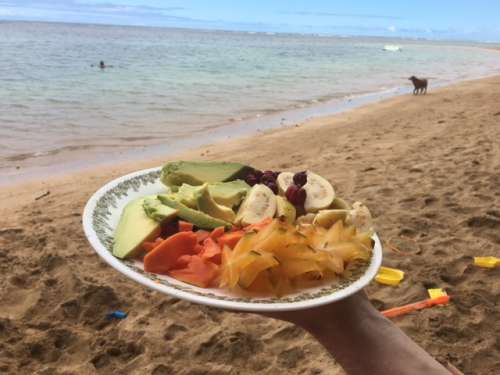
(285, 209)
(306, 219)
(259, 204)
(284, 180)
(340, 204)
(326, 218)
(360, 217)
(320, 193)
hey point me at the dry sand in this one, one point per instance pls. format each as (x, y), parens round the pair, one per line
(427, 166)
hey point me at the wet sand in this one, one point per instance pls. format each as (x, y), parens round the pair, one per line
(427, 166)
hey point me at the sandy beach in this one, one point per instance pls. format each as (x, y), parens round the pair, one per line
(427, 166)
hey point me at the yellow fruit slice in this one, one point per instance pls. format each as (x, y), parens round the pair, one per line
(334, 234)
(348, 233)
(261, 284)
(296, 267)
(258, 263)
(245, 244)
(281, 256)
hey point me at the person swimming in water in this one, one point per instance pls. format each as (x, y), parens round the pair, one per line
(101, 65)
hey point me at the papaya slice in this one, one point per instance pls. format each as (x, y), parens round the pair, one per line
(164, 256)
(198, 248)
(230, 239)
(201, 235)
(199, 272)
(216, 233)
(185, 226)
(183, 261)
(258, 226)
(211, 251)
(150, 245)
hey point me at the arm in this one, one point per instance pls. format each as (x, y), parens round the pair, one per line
(363, 341)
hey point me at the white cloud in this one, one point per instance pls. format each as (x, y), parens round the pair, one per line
(392, 29)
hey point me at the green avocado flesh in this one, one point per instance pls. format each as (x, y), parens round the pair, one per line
(187, 195)
(157, 210)
(133, 229)
(198, 218)
(229, 194)
(175, 174)
(206, 204)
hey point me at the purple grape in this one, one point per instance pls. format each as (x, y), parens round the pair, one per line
(267, 178)
(296, 195)
(273, 186)
(257, 174)
(300, 178)
(251, 179)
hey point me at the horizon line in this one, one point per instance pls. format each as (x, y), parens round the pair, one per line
(235, 30)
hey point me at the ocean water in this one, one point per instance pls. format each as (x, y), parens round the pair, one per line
(167, 86)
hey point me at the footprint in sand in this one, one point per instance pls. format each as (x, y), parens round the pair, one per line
(121, 352)
(173, 331)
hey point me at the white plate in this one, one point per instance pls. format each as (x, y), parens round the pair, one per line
(101, 215)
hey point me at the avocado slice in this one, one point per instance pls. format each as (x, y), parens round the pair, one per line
(133, 229)
(157, 210)
(187, 195)
(207, 204)
(174, 174)
(229, 194)
(198, 218)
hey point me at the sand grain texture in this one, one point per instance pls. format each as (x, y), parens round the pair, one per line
(428, 167)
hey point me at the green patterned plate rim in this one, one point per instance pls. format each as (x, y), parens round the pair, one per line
(101, 215)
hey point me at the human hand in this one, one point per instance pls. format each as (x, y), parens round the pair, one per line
(361, 339)
(330, 315)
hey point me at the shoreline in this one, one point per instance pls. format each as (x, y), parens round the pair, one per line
(62, 163)
(208, 150)
(426, 166)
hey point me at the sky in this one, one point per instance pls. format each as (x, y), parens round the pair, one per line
(437, 19)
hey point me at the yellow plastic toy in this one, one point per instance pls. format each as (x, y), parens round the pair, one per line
(435, 293)
(389, 276)
(487, 262)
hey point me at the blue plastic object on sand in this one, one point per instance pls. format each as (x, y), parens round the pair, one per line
(118, 314)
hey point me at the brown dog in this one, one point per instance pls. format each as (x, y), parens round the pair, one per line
(420, 85)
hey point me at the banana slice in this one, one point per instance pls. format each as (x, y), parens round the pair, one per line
(285, 210)
(320, 193)
(284, 180)
(360, 216)
(326, 218)
(306, 219)
(259, 204)
(340, 204)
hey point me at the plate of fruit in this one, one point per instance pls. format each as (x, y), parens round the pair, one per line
(228, 235)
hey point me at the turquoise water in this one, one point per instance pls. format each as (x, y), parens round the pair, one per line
(170, 85)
